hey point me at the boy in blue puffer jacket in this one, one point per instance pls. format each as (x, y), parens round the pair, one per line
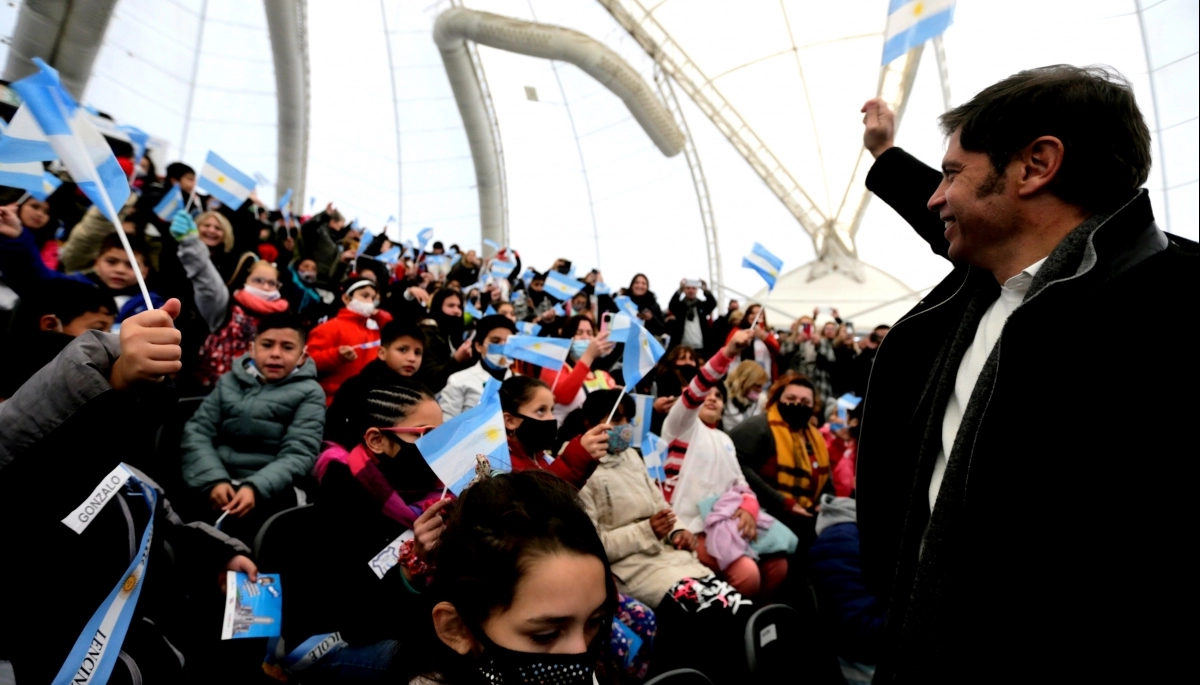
(259, 431)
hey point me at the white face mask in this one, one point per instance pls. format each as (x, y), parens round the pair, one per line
(268, 295)
(361, 307)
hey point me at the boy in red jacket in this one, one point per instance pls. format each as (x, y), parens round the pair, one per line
(342, 346)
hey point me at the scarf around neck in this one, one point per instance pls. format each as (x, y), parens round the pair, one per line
(258, 305)
(797, 476)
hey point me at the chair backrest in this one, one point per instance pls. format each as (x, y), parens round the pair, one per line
(682, 676)
(282, 540)
(772, 634)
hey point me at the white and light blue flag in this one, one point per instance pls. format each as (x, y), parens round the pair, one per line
(225, 182)
(550, 353)
(24, 141)
(390, 256)
(424, 236)
(69, 130)
(528, 328)
(453, 449)
(912, 22)
(602, 289)
(642, 419)
(490, 311)
(621, 326)
(364, 242)
(285, 205)
(139, 138)
(642, 352)
(471, 310)
(626, 305)
(653, 450)
(492, 244)
(172, 202)
(766, 264)
(50, 183)
(560, 310)
(562, 287)
(502, 269)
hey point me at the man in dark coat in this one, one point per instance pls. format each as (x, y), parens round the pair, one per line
(1007, 547)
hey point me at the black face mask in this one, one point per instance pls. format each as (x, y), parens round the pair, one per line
(687, 373)
(501, 666)
(796, 415)
(537, 435)
(407, 471)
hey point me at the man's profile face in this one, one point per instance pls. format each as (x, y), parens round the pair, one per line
(973, 200)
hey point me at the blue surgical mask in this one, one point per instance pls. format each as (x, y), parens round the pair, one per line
(620, 438)
(578, 347)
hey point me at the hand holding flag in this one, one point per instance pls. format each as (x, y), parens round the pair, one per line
(455, 449)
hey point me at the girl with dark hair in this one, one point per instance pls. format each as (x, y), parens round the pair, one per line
(522, 594)
(671, 375)
(577, 379)
(367, 498)
(528, 408)
(447, 351)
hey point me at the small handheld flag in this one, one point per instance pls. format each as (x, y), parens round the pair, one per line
(490, 311)
(454, 450)
(471, 310)
(424, 236)
(364, 242)
(653, 448)
(50, 183)
(626, 305)
(225, 182)
(642, 352)
(550, 353)
(562, 287)
(285, 205)
(559, 310)
(24, 141)
(766, 264)
(528, 328)
(501, 269)
(642, 419)
(912, 22)
(140, 140)
(603, 289)
(172, 202)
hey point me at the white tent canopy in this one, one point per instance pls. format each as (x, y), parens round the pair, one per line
(583, 180)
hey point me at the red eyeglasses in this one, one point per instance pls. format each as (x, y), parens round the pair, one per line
(418, 431)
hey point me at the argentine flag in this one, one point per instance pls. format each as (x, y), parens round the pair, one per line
(528, 328)
(50, 183)
(766, 264)
(28, 176)
(503, 269)
(171, 203)
(626, 305)
(285, 205)
(424, 236)
(471, 310)
(223, 181)
(912, 22)
(550, 353)
(389, 257)
(140, 140)
(653, 448)
(602, 289)
(562, 287)
(642, 352)
(364, 242)
(24, 141)
(641, 421)
(74, 139)
(492, 244)
(453, 449)
(621, 326)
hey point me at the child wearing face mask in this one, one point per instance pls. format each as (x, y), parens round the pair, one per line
(532, 430)
(746, 397)
(343, 346)
(522, 592)
(577, 379)
(367, 497)
(258, 298)
(464, 389)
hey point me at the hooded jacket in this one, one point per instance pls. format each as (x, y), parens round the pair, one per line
(981, 580)
(265, 435)
(620, 498)
(348, 328)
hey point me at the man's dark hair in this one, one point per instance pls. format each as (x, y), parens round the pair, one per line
(437, 245)
(282, 320)
(113, 241)
(63, 297)
(875, 336)
(177, 170)
(1090, 109)
(396, 329)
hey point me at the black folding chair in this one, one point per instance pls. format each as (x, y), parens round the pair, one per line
(682, 676)
(772, 635)
(284, 538)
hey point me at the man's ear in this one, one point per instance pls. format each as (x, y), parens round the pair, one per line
(50, 322)
(452, 631)
(1041, 161)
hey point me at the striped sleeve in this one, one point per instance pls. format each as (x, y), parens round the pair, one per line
(709, 376)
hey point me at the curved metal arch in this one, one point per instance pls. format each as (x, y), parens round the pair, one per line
(457, 26)
(287, 25)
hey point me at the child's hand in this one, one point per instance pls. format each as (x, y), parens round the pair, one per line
(242, 502)
(348, 353)
(684, 539)
(243, 564)
(10, 225)
(220, 495)
(662, 522)
(427, 530)
(595, 441)
(149, 347)
(183, 226)
(747, 526)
